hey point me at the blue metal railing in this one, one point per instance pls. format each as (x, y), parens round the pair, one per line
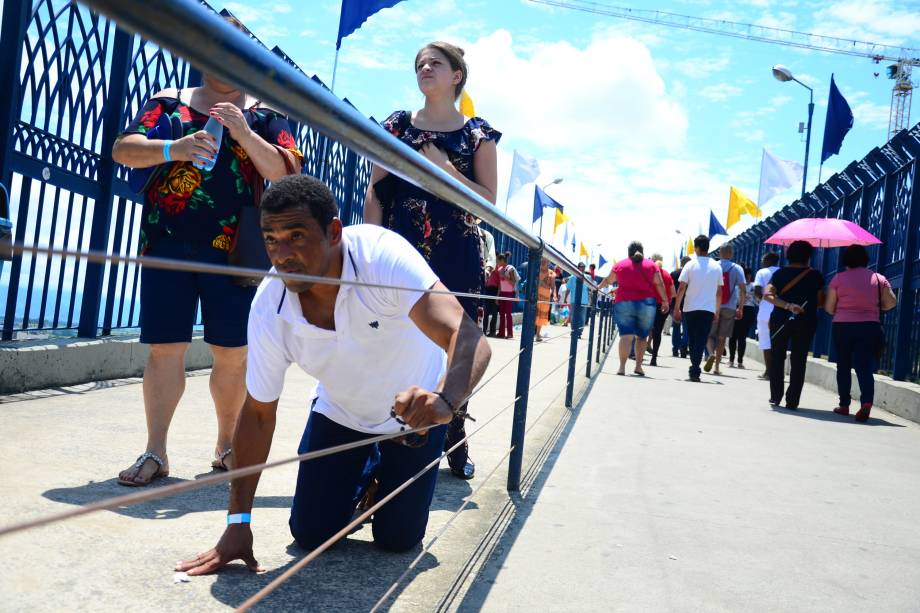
(880, 192)
(90, 204)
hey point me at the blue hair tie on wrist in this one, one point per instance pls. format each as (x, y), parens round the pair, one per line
(166, 145)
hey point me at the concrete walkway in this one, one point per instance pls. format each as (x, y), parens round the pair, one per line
(673, 496)
(652, 495)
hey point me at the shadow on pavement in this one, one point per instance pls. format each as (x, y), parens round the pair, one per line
(503, 532)
(203, 500)
(350, 576)
(831, 416)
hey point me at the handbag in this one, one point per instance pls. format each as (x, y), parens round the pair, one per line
(882, 342)
(248, 247)
(166, 128)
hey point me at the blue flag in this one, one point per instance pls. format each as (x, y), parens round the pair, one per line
(542, 201)
(355, 12)
(600, 261)
(715, 227)
(838, 122)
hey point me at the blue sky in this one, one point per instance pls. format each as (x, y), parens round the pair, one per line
(648, 126)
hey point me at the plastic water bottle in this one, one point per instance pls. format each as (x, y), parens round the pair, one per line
(215, 129)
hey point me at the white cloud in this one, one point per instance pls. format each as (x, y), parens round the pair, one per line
(777, 101)
(720, 92)
(695, 67)
(559, 95)
(881, 21)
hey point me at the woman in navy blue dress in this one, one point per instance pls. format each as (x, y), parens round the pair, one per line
(444, 234)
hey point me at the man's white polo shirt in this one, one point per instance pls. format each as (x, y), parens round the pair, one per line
(375, 350)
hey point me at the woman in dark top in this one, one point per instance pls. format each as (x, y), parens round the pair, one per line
(796, 292)
(192, 214)
(444, 234)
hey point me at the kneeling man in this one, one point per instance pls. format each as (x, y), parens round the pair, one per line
(375, 352)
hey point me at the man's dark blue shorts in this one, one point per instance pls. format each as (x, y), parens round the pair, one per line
(169, 299)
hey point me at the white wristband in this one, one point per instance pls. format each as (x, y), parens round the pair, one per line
(239, 518)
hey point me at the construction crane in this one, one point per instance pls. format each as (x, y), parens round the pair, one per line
(903, 58)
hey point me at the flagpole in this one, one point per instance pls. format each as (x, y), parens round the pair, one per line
(335, 68)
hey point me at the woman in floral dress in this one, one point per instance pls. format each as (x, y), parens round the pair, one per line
(444, 234)
(192, 214)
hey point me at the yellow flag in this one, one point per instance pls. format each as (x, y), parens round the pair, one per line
(738, 205)
(466, 105)
(690, 248)
(561, 218)
(583, 251)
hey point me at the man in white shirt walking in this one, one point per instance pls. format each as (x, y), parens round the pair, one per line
(385, 360)
(698, 300)
(769, 265)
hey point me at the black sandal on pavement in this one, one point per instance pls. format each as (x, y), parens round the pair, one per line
(139, 464)
(220, 462)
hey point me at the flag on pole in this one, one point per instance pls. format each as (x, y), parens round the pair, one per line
(561, 218)
(355, 12)
(583, 251)
(715, 227)
(600, 261)
(573, 240)
(690, 248)
(542, 201)
(467, 108)
(524, 169)
(738, 205)
(565, 234)
(776, 175)
(837, 123)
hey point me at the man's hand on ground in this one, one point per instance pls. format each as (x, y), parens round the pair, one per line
(418, 408)
(235, 544)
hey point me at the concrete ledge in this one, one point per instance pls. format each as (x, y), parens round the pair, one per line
(898, 397)
(49, 363)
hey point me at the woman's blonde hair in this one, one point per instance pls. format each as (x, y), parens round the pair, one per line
(454, 55)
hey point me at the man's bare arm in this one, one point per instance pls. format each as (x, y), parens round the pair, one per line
(441, 318)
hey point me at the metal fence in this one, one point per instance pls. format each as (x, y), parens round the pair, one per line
(74, 80)
(880, 193)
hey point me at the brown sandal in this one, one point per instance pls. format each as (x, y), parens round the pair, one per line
(220, 462)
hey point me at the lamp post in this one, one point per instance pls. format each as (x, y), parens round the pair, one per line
(783, 75)
(555, 181)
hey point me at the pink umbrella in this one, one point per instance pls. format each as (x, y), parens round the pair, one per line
(821, 232)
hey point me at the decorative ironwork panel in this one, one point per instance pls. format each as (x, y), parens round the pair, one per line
(896, 240)
(853, 208)
(311, 144)
(361, 180)
(334, 173)
(890, 328)
(875, 201)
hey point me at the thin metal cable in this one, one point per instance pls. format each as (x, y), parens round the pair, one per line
(187, 486)
(463, 506)
(100, 257)
(489, 380)
(282, 578)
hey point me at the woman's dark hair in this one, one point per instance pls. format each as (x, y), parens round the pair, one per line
(855, 256)
(748, 273)
(301, 192)
(635, 251)
(771, 258)
(502, 257)
(454, 55)
(799, 252)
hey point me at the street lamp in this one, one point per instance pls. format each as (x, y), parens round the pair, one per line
(555, 181)
(783, 75)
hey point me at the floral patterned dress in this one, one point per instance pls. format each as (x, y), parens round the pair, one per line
(199, 207)
(444, 234)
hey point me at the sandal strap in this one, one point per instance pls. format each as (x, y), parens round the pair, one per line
(149, 455)
(223, 454)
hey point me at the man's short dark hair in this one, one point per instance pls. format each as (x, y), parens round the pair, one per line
(771, 258)
(855, 256)
(701, 242)
(799, 252)
(301, 192)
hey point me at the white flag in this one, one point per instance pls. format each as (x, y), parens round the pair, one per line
(776, 175)
(524, 170)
